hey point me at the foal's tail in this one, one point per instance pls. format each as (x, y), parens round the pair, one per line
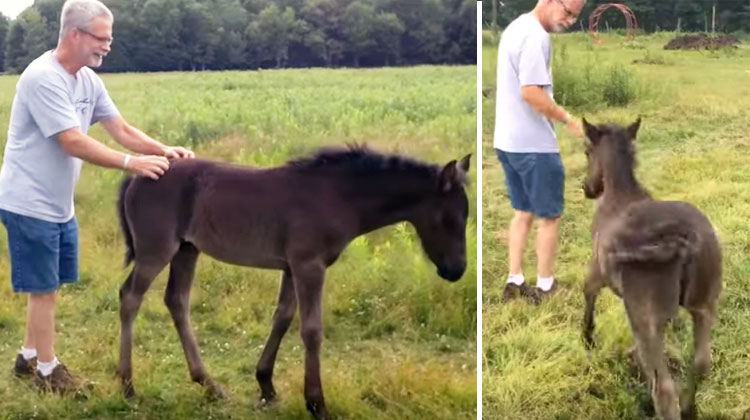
(130, 253)
(664, 242)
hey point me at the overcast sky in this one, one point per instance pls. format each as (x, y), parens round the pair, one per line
(11, 8)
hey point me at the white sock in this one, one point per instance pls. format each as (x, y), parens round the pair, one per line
(28, 354)
(46, 368)
(516, 279)
(545, 283)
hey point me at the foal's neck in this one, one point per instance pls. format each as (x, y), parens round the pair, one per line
(620, 184)
(384, 203)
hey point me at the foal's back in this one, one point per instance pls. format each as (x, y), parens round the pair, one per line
(236, 214)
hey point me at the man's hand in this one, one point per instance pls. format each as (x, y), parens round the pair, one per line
(178, 152)
(574, 127)
(149, 165)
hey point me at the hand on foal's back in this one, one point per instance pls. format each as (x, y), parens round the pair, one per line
(149, 166)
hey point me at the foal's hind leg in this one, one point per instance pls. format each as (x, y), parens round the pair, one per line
(131, 296)
(648, 333)
(177, 299)
(282, 318)
(702, 320)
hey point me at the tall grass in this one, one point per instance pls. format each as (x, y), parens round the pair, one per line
(399, 342)
(591, 84)
(692, 146)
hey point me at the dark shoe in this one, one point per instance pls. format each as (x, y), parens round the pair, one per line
(541, 295)
(23, 367)
(60, 381)
(512, 291)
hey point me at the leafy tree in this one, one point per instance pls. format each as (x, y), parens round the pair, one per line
(388, 32)
(271, 33)
(15, 48)
(4, 23)
(36, 38)
(326, 17)
(461, 32)
(359, 29)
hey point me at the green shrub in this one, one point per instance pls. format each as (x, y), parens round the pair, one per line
(591, 85)
(618, 89)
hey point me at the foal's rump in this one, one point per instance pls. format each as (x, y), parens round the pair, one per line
(674, 242)
(660, 232)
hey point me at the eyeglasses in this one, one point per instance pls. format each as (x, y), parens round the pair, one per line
(567, 11)
(102, 39)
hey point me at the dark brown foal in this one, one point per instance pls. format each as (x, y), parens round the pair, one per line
(296, 218)
(655, 255)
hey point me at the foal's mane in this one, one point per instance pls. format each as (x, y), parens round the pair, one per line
(623, 153)
(362, 161)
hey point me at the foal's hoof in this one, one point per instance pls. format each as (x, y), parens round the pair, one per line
(214, 391)
(588, 341)
(689, 413)
(266, 402)
(128, 391)
(129, 394)
(318, 410)
(647, 407)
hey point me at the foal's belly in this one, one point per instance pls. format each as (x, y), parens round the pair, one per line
(250, 252)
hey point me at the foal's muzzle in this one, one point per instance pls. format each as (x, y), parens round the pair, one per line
(587, 191)
(452, 271)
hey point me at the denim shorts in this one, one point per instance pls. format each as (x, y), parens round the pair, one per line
(535, 182)
(43, 255)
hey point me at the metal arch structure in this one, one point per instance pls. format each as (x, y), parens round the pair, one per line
(631, 21)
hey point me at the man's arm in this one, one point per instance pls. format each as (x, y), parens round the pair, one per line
(139, 142)
(75, 143)
(538, 99)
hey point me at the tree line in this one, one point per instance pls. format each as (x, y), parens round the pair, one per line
(652, 15)
(166, 35)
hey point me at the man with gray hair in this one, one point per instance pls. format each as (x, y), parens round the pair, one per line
(525, 139)
(57, 98)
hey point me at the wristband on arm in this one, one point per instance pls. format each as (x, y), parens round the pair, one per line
(127, 160)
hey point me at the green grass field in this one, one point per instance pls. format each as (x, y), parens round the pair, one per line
(693, 145)
(399, 341)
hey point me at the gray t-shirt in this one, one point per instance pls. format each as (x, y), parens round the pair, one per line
(523, 59)
(37, 177)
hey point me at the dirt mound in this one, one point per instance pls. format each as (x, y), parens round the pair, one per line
(702, 42)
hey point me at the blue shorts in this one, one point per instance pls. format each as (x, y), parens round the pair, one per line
(535, 182)
(43, 255)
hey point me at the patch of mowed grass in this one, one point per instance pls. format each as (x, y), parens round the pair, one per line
(693, 146)
(399, 341)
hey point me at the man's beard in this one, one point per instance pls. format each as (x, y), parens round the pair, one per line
(559, 27)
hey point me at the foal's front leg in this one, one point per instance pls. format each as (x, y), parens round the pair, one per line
(308, 276)
(591, 288)
(281, 319)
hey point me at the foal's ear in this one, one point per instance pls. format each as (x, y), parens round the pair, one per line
(592, 131)
(464, 163)
(449, 177)
(633, 128)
